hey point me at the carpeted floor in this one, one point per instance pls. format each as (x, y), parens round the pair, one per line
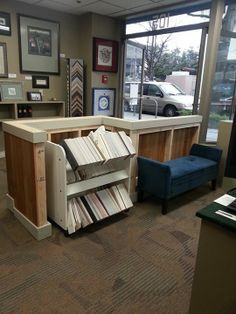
(140, 262)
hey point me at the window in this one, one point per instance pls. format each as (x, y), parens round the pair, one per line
(153, 90)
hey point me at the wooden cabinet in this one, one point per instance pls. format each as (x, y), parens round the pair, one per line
(160, 139)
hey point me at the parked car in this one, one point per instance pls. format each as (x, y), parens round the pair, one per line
(170, 98)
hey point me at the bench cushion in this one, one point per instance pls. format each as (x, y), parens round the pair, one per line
(184, 166)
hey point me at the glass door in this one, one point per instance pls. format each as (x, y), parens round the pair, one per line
(133, 79)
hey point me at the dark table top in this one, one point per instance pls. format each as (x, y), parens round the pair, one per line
(208, 213)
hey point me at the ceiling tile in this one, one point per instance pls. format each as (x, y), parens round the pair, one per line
(74, 3)
(159, 1)
(54, 5)
(128, 4)
(142, 8)
(102, 8)
(121, 13)
(30, 1)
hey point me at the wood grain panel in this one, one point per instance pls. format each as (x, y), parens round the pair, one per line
(183, 140)
(26, 177)
(60, 136)
(155, 145)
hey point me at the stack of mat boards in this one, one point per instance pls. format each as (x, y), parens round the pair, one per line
(92, 207)
(81, 151)
(112, 144)
(98, 147)
(87, 172)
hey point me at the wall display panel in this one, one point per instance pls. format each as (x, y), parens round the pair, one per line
(75, 87)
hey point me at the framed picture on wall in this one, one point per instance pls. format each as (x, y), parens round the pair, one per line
(5, 24)
(39, 81)
(104, 101)
(3, 60)
(39, 45)
(11, 91)
(105, 55)
(34, 96)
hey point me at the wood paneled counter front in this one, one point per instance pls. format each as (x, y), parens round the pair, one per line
(160, 139)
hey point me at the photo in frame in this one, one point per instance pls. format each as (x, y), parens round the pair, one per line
(34, 96)
(104, 101)
(39, 45)
(39, 81)
(105, 55)
(11, 91)
(5, 23)
(3, 60)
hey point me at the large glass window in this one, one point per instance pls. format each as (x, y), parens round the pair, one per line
(166, 20)
(222, 98)
(168, 58)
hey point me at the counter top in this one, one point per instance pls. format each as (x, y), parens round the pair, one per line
(34, 130)
(209, 213)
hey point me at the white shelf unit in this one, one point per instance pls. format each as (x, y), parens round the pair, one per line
(58, 191)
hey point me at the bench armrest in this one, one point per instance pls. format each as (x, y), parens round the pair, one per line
(154, 177)
(212, 153)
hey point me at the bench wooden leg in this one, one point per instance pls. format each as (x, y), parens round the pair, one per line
(213, 184)
(164, 207)
(140, 196)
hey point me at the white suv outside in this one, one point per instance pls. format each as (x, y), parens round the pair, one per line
(170, 98)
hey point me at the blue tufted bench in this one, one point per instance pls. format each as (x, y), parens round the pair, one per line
(173, 177)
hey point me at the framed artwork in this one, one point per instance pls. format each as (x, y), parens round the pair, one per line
(39, 81)
(3, 60)
(35, 96)
(39, 42)
(104, 101)
(105, 55)
(11, 91)
(5, 24)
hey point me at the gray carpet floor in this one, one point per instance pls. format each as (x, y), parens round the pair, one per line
(140, 262)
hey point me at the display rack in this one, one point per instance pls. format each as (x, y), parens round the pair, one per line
(59, 191)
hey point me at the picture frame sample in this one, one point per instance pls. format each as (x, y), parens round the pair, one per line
(39, 42)
(5, 23)
(105, 55)
(104, 101)
(39, 81)
(3, 60)
(34, 96)
(11, 91)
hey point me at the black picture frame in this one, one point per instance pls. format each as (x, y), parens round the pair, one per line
(34, 96)
(5, 24)
(103, 100)
(39, 45)
(3, 60)
(40, 81)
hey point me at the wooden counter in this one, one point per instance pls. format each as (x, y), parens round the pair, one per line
(161, 139)
(214, 289)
